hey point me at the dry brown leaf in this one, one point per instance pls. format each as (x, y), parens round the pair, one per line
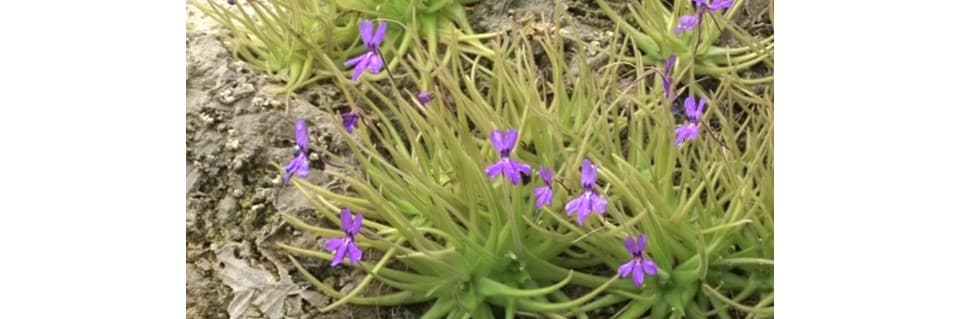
(252, 286)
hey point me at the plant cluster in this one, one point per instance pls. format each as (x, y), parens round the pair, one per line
(690, 30)
(289, 39)
(629, 210)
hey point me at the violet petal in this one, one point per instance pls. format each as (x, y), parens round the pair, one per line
(649, 267)
(626, 269)
(366, 32)
(637, 276)
(588, 174)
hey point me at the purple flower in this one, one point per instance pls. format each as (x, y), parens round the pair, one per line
(424, 97)
(667, 79)
(687, 22)
(638, 266)
(693, 109)
(350, 121)
(369, 60)
(300, 164)
(544, 194)
(503, 142)
(343, 246)
(589, 201)
(685, 132)
(716, 5)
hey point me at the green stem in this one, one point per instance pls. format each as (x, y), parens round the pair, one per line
(536, 306)
(393, 299)
(759, 311)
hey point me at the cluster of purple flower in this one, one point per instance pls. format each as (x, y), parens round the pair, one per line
(590, 201)
(372, 62)
(504, 141)
(693, 109)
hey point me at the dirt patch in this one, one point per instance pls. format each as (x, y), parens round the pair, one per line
(754, 17)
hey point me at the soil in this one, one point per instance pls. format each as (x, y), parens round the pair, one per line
(238, 130)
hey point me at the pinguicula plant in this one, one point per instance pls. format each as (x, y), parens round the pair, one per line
(283, 38)
(448, 234)
(707, 215)
(449, 220)
(427, 20)
(690, 31)
(292, 40)
(415, 23)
